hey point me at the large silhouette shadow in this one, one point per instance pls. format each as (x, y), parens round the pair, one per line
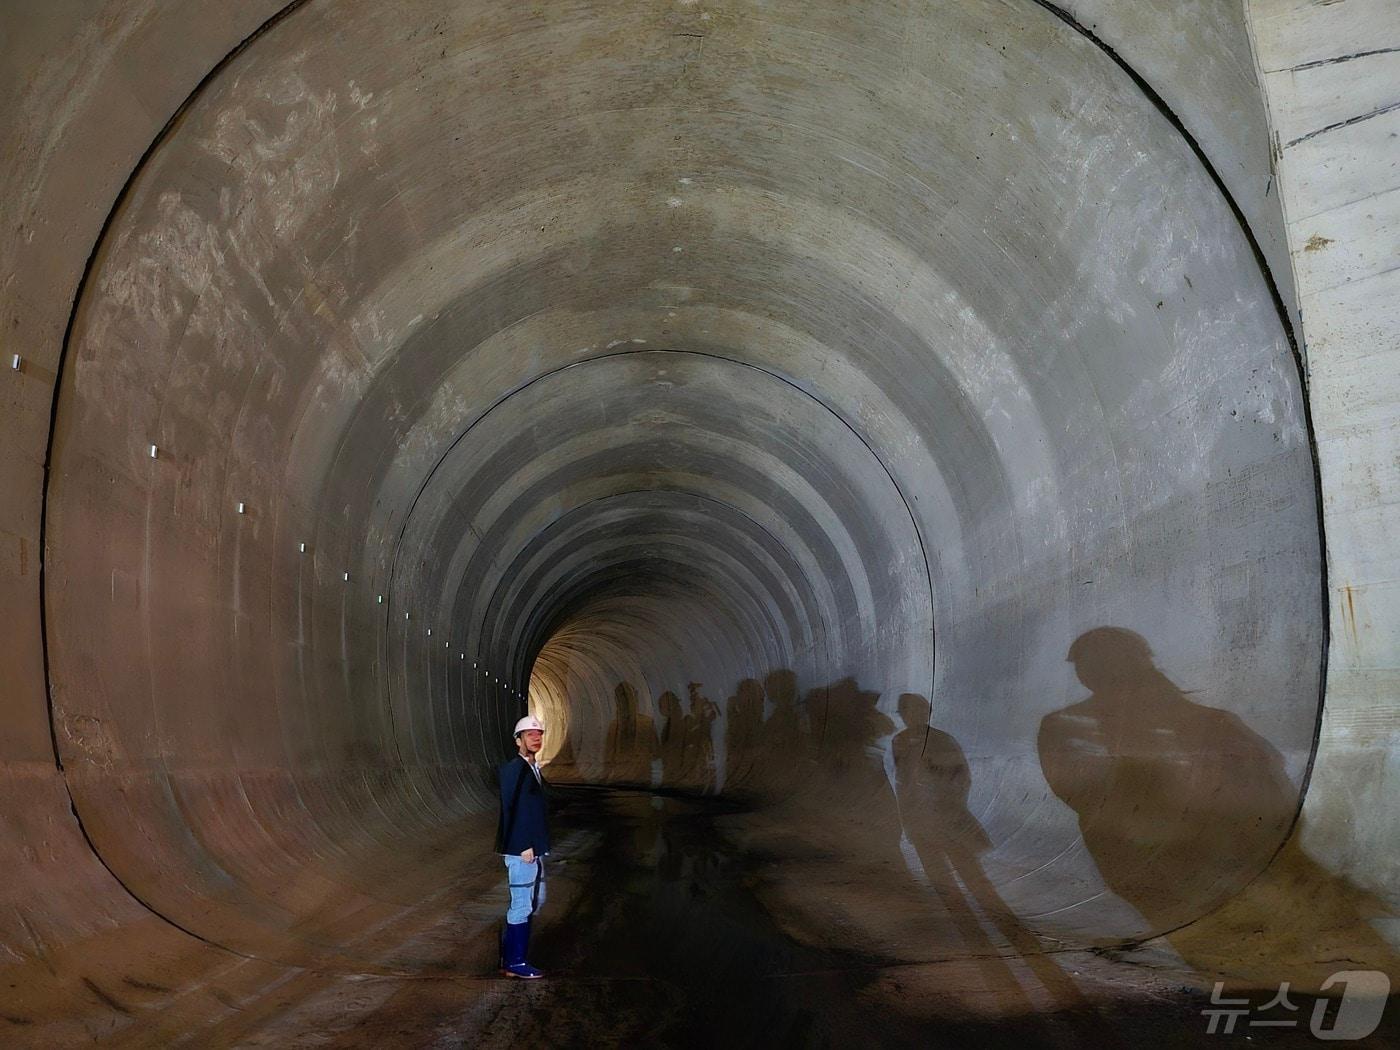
(1182, 807)
(841, 785)
(932, 781)
(671, 737)
(1180, 804)
(631, 744)
(699, 740)
(743, 728)
(785, 735)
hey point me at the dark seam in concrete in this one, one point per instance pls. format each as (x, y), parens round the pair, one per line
(111, 1003)
(89, 268)
(1295, 345)
(1340, 58)
(1359, 118)
(1176, 122)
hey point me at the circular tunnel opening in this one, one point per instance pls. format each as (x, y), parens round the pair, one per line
(705, 521)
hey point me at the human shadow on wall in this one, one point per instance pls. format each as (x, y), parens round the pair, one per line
(743, 728)
(853, 790)
(932, 781)
(1179, 804)
(631, 744)
(699, 764)
(671, 742)
(785, 736)
(852, 806)
(685, 741)
(1182, 806)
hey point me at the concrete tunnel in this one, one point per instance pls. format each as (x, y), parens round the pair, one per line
(893, 447)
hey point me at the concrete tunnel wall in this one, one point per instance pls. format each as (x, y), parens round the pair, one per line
(854, 353)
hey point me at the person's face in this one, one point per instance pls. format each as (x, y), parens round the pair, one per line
(531, 741)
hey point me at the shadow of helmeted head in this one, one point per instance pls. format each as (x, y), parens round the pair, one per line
(853, 721)
(914, 710)
(931, 770)
(1179, 803)
(781, 687)
(749, 692)
(1111, 658)
(626, 699)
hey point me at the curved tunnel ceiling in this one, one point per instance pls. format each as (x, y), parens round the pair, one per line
(643, 347)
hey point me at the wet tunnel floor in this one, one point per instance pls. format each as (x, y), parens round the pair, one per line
(660, 931)
(671, 921)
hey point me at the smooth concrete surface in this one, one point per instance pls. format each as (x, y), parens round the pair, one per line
(870, 435)
(1332, 80)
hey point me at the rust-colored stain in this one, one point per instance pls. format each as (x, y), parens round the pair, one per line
(1317, 242)
(1351, 607)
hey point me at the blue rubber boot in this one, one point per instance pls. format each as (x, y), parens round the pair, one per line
(517, 940)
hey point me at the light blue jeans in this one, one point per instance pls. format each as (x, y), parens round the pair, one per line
(526, 888)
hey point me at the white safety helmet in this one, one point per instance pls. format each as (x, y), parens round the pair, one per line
(528, 722)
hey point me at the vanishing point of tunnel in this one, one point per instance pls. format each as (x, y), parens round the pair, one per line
(929, 467)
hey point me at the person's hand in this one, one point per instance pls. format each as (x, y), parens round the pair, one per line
(528, 856)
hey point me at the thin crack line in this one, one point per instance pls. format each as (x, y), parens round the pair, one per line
(1340, 58)
(1344, 123)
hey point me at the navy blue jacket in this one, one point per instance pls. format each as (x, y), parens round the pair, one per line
(524, 820)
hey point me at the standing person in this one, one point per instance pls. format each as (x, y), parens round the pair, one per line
(523, 838)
